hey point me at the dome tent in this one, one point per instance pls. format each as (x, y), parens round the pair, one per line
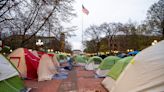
(93, 63)
(61, 58)
(117, 69)
(145, 73)
(80, 59)
(106, 65)
(115, 72)
(25, 62)
(46, 68)
(9, 80)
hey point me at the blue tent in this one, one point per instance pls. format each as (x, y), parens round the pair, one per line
(133, 52)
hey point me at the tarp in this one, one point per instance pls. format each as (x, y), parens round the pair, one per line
(46, 68)
(117, 69)
(145, 72)
(108, 62)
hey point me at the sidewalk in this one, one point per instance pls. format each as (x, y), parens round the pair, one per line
(79, 80)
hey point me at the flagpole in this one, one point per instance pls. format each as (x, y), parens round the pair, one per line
(82, 31)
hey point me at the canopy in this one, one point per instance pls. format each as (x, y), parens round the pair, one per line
(108, 62)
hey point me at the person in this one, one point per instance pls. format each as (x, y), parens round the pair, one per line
(69, 63)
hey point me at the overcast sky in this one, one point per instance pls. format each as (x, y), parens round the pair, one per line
(107, 11)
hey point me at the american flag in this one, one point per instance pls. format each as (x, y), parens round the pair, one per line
(85, 10)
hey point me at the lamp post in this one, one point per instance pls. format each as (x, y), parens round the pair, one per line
(39, 43)
(154, 42)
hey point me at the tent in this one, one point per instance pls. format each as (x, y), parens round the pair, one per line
(133, 52)
(93, 63)
(25, 62)
(145, 73)
(115, 72)
(46, 68)
(55, 61)
(106, 65)
(117, 69)
(80, 60)
(61, 58)
(35, 53)
(9, 80)
(108, 62)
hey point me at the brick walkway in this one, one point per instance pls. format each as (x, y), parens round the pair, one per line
(69, 84)
(79, 80)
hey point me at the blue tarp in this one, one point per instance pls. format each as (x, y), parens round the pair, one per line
(60, 76)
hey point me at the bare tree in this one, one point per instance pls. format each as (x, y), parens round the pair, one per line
(155, 17)
(110, 30)
(35, 17)
(94, 33)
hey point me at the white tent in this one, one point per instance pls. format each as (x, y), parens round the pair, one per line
(108, 83)
(93, 63)
(55, 61)
(145, 73)
(6, 69)
(46, 68)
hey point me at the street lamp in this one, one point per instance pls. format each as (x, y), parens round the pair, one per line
(39, 42)
(154, 42)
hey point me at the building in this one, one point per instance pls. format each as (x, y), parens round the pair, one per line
(77, 52)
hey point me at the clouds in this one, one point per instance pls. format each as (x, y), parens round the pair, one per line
(108, 11)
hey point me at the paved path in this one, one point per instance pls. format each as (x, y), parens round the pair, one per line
(69, 84)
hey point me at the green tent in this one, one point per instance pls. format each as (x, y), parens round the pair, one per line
(108, 62)
(85, 57)
(117, 69)
(95, 59)
(61, 57)
(80, 59)
(9, 80)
